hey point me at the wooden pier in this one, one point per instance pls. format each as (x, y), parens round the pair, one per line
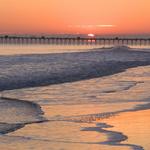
(72, 40)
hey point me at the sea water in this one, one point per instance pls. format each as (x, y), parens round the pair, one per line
(12, 49)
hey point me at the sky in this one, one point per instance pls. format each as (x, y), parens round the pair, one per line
(74, 16)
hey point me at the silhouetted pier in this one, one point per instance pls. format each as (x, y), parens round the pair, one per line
(73, 40)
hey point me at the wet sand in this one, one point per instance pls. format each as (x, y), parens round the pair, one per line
(135, 125)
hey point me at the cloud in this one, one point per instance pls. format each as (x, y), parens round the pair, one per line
(92, 26)
(105, 25)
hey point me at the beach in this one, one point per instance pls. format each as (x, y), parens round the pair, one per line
(97, 99)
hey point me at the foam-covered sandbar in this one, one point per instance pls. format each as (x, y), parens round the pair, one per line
(45, 69)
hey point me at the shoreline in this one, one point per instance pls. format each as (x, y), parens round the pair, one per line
(116, 136)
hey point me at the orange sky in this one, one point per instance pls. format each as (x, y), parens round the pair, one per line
(75, 16)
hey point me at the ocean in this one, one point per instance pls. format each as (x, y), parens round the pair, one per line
(69, 97)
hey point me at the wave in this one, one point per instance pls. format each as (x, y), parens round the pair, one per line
(15, 114)
(21, 71)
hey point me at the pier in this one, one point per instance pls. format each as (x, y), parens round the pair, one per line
(5, 39)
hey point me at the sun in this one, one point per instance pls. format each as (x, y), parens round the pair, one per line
(91, 35)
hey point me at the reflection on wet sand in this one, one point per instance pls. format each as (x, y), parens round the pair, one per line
(133, 124)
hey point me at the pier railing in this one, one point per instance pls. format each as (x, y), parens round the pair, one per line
(73, 40)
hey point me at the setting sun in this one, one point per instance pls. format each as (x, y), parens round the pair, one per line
(91, 35)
